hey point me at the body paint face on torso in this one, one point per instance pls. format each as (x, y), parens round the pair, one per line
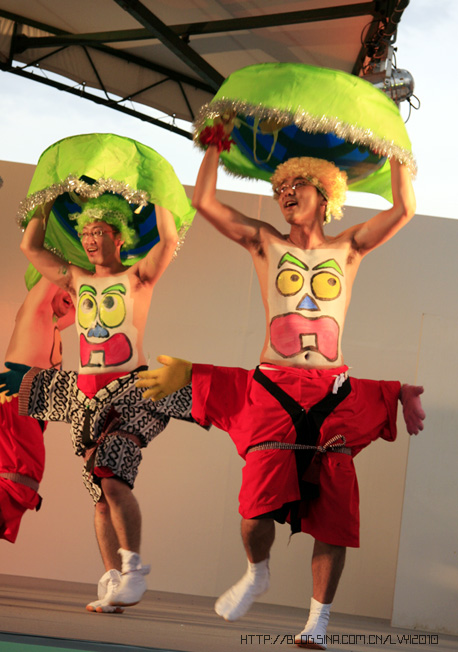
(307, 304)
(104, 321)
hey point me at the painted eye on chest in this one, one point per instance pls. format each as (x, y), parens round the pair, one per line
(87, 310)
(289, 282)
(112, 310)
(326, 286)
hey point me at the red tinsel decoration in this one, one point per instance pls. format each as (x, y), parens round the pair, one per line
(215, 135)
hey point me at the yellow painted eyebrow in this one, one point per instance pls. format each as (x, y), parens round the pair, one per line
(331, 263)
(289, 258)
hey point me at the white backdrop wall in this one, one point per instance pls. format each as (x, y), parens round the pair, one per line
(207, 308)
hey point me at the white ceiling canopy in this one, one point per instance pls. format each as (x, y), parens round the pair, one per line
(173, 55)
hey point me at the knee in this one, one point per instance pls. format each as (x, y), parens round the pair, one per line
(114, 490)
(254, 529)
(101, 507)
(329, 550)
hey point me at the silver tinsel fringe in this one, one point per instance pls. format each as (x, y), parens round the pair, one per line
(73, 184)
(306, 122)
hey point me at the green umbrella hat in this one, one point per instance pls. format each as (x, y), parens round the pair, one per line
(96, 167)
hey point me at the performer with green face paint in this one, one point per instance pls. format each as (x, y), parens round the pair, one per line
(297, 420)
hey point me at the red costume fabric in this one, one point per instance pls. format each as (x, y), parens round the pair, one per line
(90, 384)
(230, 399)
(21, 451)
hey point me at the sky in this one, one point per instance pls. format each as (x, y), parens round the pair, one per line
(34, 116)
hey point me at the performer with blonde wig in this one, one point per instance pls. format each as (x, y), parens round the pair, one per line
(298, 419)
(330, 182)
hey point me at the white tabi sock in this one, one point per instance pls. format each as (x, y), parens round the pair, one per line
(133, 583)
(313, 636)
(108, 584)
(238, 599)
(130, 560)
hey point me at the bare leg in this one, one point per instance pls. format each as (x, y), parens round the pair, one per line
(258, 537)
(125, 513)
(106, 536)
(327, 565)
(125, 519)
(108, 546)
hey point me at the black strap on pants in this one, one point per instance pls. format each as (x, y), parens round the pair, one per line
(307, 424)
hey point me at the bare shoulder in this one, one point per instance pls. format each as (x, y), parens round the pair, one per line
(266, 234)
(346, 240)
(74, 274)
(138, 281)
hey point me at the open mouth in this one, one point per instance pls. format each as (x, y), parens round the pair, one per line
(114, 351)
(287, 335)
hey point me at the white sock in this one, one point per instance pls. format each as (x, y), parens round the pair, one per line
(108, 584)
(313, 636)
(133, 584)
(235, 602)
(130, 560)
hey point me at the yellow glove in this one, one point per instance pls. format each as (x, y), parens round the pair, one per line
(174, 375)
(5, 397)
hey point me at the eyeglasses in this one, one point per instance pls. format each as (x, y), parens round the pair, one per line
(95, 233)
(301, 183)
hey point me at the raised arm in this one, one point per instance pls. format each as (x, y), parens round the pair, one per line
(153, 265)
(39, 300)
(227, 220)
(38, 297)
(386, 224)
(48, 264)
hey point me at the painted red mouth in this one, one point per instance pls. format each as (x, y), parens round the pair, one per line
(286, 333)
(116, 350)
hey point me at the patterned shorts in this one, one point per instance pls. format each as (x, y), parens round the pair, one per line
(122, 456)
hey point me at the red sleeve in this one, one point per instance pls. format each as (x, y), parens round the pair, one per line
(218, 394)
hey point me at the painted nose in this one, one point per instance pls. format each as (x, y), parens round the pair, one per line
(98, 331)
(307, 303)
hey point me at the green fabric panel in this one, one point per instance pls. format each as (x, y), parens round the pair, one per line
(317, 100)
(111, 156)
(107, 156)
(318, 91)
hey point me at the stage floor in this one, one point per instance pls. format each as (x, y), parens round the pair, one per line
(38, 615)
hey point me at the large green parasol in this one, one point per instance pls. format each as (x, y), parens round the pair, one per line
(91, 165)
(285, 110)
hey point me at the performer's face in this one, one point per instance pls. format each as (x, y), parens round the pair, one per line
(100, 242)
(298, 198)
(61, 303)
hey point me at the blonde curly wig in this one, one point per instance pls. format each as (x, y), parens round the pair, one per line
(324, 175)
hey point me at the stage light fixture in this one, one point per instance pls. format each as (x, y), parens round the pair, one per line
(394, 82)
